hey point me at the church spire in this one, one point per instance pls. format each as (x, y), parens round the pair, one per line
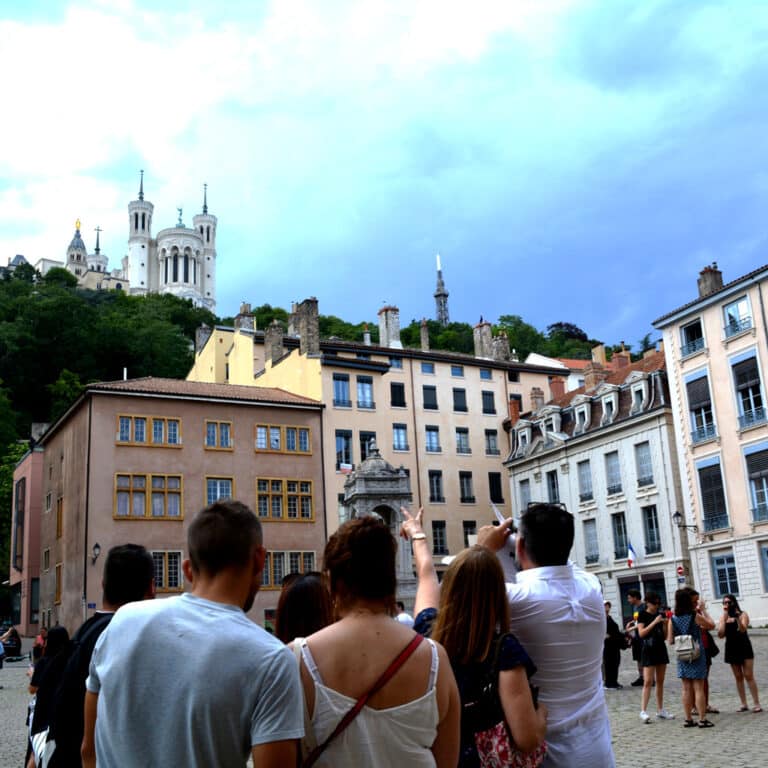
(141, 186)
(441, 296)
(205, 198)
(98, 249)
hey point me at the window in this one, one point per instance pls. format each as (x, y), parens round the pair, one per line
(691, 338)
(365, 444)
(583, 414)
(432, 439)
(343, 449)
(651, 528)
(619, 525)
(217, 488)
(712, 496)
(525, 494)
(46, 559)
(553, 490)
(609, 408)
(19, 495)
(166, 496)
(297, 439)
(399, 437)
(365, 392)
(470, 529)
(757, 471)
(491, 442)
(395, 362)
(273, 438)
(57, 587)
(397, 394)
(460, 400)
(430, 397)
(218, 434)
(489, 406)
(513, 376)
(462, 440)
(746, 379)
(284, 499)
(167, 570)
(724, 572)
(764, 562)
(341, 390)
(439, 540)
(737, 317)
(591, 546)
(277, 565)
(494, 487)
(48, 498)
(457, 370)
(612, 473)
(584, 472)
(133, 430)
(466, 492)
(644, 464)
(436, 486)
(486, 374)
(427, 367)
(700, 408)
(59, 517)
(363, 356)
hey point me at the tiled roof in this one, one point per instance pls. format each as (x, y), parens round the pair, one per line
(695, 301)
(151, 385)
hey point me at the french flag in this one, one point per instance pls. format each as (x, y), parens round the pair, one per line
(631, 556)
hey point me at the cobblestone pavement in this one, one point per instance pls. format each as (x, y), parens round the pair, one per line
(738, 740)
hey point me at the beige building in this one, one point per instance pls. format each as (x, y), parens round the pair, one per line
(133, 461)
(438, 414)
(716, 348)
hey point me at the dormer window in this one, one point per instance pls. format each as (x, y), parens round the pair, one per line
(640, 399)
(523, 439)
(609, 399)
(582, 413)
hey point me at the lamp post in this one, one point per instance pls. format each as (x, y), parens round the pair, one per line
(685, 554)
(96, 552)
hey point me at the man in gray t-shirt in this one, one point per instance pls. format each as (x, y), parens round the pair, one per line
(191, 680)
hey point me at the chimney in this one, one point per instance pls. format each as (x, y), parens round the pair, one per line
(621, 359)
(245, 318)
(514, 410)
(273, 342)
(556, 387)
(308, 327)
(598, 355)
(424, 335)
(710, 280)
(594, 375)
(293, 321)
(389, 327)
(500, 347)
(537, 398)
(483, 340)
(366, 335)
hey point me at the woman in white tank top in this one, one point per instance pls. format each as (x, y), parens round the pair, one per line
(413, 720)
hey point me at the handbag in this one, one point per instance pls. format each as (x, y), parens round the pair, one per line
(687, 647)
(352, 713)
(710, 646)
(494, 744)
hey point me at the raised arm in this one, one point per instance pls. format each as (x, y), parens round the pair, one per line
(428, 587)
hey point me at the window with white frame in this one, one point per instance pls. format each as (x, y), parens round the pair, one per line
(466, 490)
(277, 565)
(584, 473)
(462, 440)
(553, 487)
(724, 574)
(610, 403)
(757, 472)
(524, 487)
(432, 434)
(746, 380)
(167, 571)
(591, 545)
(643, 464)
(582, 413)
(691, 338)
(486, 374)
(612, 473)
(700, 407)
(341, 397)
(430, 397)
(619, 527)
(436, 485)
(651, 530)
(343, 449)
(764, 564)
(439, 538)
(459, 400)
(280, 498)
(365, 392)
(737, 317)
(489, 404)
(218, 434)
(715, 513)
(457, 370)
(400, 437)
(366, 439)
(491, 442)
(428, 368)
(469, 529)
(217, 488)
(639, 392)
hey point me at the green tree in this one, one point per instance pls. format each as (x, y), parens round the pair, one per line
(9, 457)
(60, 276)
(64, 391)
(523, 337)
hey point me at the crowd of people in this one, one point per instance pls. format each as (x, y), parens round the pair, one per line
(484, 673)
(652, 630)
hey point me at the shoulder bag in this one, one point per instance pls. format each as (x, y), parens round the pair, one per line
(687, 647)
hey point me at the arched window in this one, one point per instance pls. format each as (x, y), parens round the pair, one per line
(143, 221)
(165, 261)
(136, 221)
(201, 230)
(175, 267)
(208, 234)
(186, 267)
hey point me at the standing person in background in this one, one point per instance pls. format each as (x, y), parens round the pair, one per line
(304, 606)
(613, 644)
(732, 625)
(402, 616)
(557, 614)
(651, 626)
(635, 601)
(708, 647)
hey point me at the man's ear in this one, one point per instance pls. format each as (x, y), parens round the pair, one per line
(259, 558)
(186, 567)
(151, 591)
(519, 549)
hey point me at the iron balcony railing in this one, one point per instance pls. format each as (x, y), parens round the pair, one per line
(716, 522)
(707, 432)
(588, 496)
(752, 418)
(692, 346)
(653, 547)
(341, 403)
(760, 513)
(737, 326)
(620, 553)
(592, 557)
(646, 480)
(614, 489)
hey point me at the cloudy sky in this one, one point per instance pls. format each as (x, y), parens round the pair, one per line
(570, 160)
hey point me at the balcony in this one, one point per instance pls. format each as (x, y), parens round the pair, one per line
(643, 481)
(620, 553)
(339, 403)
(366, 404)
(707, 432)
(400, 447)
(614, 489)
(735, 327)
(588, 496)
(760, 513)
(436, 500)
(752, 418)
(492, 452)
(653, 547)
(434, 449)
(716, 522)
(691, 347)
(592, 558)
(467, 499)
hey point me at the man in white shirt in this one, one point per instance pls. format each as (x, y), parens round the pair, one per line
(557, 613)
(402, 616)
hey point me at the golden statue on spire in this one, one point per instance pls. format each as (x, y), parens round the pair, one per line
(77, 225)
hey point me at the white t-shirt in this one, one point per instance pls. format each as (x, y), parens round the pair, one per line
(557, 614)
(187, 681)
(405, 618)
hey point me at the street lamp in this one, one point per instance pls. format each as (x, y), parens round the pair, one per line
(96, 552)
(677, 519)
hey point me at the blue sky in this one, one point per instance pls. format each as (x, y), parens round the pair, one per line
(570, 161)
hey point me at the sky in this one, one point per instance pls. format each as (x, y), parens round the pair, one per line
(569, 160)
